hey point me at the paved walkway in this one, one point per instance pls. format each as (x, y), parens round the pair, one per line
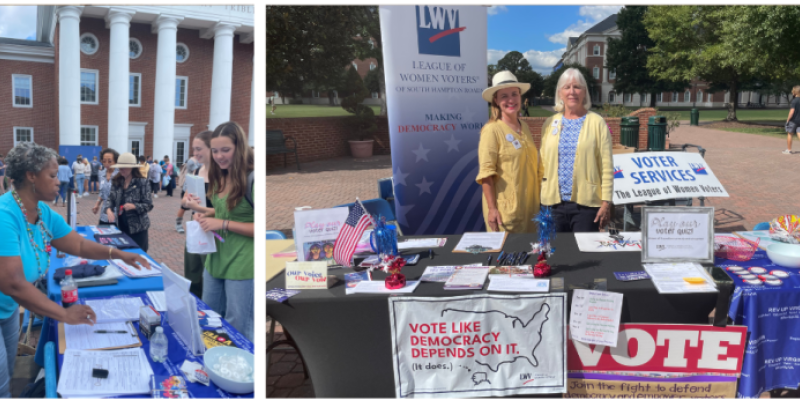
(761, 181)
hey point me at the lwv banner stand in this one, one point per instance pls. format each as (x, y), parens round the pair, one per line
(435, 68)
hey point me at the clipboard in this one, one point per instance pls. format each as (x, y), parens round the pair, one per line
(505, 236)
(62, 341)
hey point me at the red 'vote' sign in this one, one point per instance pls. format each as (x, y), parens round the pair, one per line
(664, 348)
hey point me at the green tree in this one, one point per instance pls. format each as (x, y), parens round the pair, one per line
(551, 81)
(694, 41)
(363, 120)
(308, 47)
(368, 25)
(516, 63)
(627, 56)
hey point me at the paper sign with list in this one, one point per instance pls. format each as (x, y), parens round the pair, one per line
(307, 275)
(595, 315)
(678, 234)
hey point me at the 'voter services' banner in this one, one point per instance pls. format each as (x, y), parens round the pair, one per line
(479, 346)
(659, 361)
(640, 177)
(435, 68)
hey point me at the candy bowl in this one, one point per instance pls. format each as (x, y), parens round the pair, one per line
(784, 254)
(230, 368)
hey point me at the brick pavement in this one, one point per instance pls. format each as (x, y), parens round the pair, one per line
(761, 181)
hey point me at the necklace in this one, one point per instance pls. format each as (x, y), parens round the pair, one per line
(46, 236)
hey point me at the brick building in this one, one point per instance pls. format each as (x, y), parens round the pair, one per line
(140, 79)
(589, 50)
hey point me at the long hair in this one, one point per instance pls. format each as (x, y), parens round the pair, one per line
(241, 165)
(497, 114)
(119, 180)
(205, 136)
(568, 75)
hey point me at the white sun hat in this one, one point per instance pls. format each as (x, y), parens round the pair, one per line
(502, 80)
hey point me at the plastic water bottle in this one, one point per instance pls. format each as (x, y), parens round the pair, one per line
(158, 346)
(69, 290)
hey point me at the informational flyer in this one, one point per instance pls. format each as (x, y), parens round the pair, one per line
(316, 232)
(595, 315)
(672, 234)
(478, 346)
(677, 278)
(492, 241)
(467, 278)
(601, 242)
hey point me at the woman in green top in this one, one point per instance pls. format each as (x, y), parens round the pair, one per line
(228, 276)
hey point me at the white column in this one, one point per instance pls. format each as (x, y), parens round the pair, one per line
(222, 74)
(251, 136)
(164, 113)
(69, 75)
(119, 21)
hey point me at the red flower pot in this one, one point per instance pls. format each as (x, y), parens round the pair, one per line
(395, 281)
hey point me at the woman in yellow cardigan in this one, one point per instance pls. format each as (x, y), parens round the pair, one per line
(510, 167)
(576, 151)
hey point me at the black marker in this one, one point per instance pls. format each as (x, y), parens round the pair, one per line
(430, 253)
(489, 260)
(522, 256)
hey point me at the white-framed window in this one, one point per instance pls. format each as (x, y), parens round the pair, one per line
(134, 48)
(181, 88)
(22, 90)
(372, 66)
(181, 53)
(596, 50)
(88, 135)
(660, 98)
(687, 96)
(596, 72)
(611, 97)
(612, 73)
(674, 97)
(23, 134)
(89, 43)
(90, 86)
(355, 67)
(335, 94)
(374, 95)
(700, 95)
(627, 97)
(135, 90)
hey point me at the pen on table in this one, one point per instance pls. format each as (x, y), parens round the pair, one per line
(510, 259)
(522, 257)
(430, 253)
(500, 258)
(102, 331)
(489, 260)
(525, 259)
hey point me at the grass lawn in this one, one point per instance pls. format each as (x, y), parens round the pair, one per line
(770, 115)
(533, 111)
(311, 110)
(777, 132)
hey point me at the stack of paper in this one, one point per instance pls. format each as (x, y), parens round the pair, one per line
(467, 278)
(158, 300)
(142, 272)
(101, 336)
(380, 287)
(129, 373)
(116, 309)
(669, 278)
(421, 243)
(492, 241)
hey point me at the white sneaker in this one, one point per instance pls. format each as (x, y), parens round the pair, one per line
(787, 151)
(155, 195)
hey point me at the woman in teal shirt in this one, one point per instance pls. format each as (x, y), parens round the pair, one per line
(228, 277)
(30, 230)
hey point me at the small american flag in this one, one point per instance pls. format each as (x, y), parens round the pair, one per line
(357, 221)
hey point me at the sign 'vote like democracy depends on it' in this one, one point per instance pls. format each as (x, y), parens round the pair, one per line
(640, 177)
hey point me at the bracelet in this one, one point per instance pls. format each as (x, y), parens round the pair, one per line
(110, 249)
(225, 225)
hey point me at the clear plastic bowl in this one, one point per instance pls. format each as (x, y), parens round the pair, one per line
(784, 254)
(212, 356)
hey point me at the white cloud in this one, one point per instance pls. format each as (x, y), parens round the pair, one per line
(18, 22)
(493, 56)
(594, 15)
(493, 10)
(541, 61)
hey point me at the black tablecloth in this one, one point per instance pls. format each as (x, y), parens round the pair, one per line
(346, 340)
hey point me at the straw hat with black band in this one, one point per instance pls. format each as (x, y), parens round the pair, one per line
(126, 160)
(503, 80)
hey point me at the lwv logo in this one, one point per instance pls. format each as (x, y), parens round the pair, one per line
(438, 31)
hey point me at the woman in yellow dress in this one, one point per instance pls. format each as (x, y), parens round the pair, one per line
(510, 168)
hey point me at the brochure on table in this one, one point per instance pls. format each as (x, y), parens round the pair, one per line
(318, 227)
(307, 275)
(601, 242)
(678, 234)
(492, 241)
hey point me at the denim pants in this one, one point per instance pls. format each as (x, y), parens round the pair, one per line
(9, 334)
(79, 178)
(231, 299)
(63, 191)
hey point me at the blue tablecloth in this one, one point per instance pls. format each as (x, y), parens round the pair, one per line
(124, 286)
(772, 316)
(178, 353)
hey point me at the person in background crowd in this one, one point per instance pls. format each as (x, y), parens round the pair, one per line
(525, 107)
(150, 160)
(510, 168)
(64, 175)
(169, 170)
(189, 167)
(79, 175)
(2, 175)
(109, 157)
(95, 177)
(130, 196)
(793, 120)
(29, 229)
(578, 164)
(144, 167)
(194, 264)
(154, 179)
(228, 276)
(87, 168)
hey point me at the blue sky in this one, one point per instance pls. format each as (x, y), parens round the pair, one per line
(18, 22)
(539, 32)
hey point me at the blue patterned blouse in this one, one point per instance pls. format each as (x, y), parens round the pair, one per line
(567, 146)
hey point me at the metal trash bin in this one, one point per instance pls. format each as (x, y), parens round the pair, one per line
(656, 133)
(694, 117)
(629, 132)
